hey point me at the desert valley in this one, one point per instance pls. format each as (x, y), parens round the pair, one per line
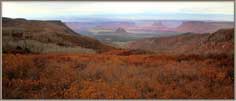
(46, 59)
(123, 57)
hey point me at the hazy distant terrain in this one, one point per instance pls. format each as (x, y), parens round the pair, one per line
(105, 31)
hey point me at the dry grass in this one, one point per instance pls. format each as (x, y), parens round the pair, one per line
(114, 76)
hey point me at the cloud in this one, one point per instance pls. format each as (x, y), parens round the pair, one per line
(45, 9)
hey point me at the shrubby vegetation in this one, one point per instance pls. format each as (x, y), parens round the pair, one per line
(32, 46)
(22, 41)
(54, 34)
(114, 76)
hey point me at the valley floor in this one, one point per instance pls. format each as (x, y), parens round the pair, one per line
(89, 76)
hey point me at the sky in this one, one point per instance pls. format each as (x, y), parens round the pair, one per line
(123, 10)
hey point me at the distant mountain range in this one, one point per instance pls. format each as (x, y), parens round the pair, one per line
(120, 30)
(152, 26)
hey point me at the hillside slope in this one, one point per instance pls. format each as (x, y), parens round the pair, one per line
(113, 74)
(203, 27)
(43, 33)
(221, 41)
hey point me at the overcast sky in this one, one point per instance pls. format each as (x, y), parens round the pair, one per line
(204, 10)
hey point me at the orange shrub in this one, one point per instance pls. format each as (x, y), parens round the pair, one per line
(118, 77)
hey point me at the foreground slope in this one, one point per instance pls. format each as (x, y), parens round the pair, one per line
(219, 42)
(32, 35)
(89, 76)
